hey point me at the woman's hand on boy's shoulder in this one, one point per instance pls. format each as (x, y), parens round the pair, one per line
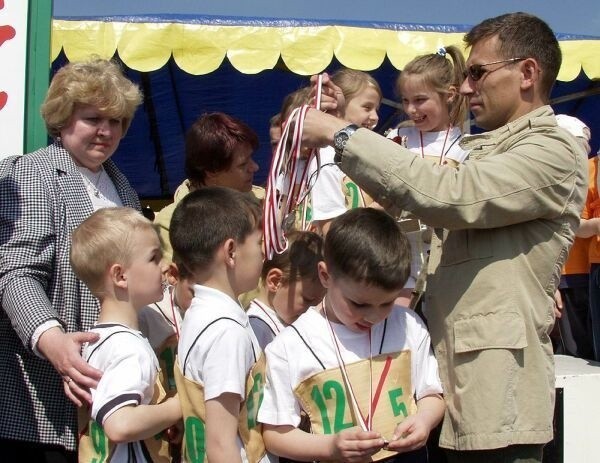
(63, 351)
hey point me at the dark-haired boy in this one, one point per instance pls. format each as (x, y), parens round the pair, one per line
(357, 348)
(216, 235)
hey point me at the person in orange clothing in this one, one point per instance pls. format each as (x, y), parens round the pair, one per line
(590, 228)
(574, 335)
(573, 298)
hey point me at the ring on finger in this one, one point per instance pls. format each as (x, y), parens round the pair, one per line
(67, 380)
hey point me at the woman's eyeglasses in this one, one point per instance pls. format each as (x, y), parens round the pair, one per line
(476, 71)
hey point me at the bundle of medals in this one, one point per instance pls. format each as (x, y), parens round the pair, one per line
(287, 183)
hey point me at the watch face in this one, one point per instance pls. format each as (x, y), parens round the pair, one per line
(341, 137)
(340, 140)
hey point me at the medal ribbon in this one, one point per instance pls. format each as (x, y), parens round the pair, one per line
(287, 184)
(442, 154)
(366, 424)
(261, 307)
(173, 312)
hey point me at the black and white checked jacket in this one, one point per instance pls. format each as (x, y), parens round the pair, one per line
(42, 200)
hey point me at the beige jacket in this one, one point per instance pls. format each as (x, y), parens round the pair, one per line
(504, 224)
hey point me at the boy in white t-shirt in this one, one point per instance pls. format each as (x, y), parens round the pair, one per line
(216, 236)
(116, 252)
(361, 368)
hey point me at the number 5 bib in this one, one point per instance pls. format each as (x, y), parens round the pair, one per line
(326, 399)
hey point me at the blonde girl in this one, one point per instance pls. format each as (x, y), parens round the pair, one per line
(428, 88)
(333, 192)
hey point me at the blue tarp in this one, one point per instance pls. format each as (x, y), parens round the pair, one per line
(151, 155)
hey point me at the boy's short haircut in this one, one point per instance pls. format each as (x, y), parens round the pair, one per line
(206, 218)
(366, 245)
(300, 260)
(106, 237)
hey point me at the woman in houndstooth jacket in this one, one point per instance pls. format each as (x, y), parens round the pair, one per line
(44, 309)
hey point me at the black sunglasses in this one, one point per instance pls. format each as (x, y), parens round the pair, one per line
(476, 71)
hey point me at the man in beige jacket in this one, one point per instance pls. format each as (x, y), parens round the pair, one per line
(503, 223)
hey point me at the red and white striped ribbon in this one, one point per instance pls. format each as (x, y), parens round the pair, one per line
(287, 183)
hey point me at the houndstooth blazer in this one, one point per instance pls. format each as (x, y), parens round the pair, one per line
(42, 200)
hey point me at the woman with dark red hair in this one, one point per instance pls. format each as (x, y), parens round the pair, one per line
(218, 152)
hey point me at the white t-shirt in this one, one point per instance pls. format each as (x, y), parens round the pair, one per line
(160, 320)
(264, 321)
(326, 195)
(433, 145)
(217, 346)
(289, 360)
(433, 142)
(129, 368)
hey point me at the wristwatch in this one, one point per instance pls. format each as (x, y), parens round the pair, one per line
(340, 139)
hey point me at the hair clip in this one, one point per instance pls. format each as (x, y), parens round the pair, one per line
(441, 51)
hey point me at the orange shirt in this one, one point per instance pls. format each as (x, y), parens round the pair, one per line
(586, 251)
(578, 261)
(592, 209)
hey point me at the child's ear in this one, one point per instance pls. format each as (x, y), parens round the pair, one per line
(451, 94)
(273, 280)
(324, 276)
(173, 274)
(118, 276)
(229, 248)
(209, 178)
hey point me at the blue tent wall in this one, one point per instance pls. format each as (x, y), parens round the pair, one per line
(152, 153)
(586, 108)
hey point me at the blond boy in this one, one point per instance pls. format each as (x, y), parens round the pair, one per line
(116, 252)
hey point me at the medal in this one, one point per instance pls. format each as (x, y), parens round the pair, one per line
(287, 184)
(366, 423)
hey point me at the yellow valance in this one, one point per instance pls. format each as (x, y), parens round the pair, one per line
(201, 48)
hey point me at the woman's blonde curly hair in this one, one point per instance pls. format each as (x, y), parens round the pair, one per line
(99, 83)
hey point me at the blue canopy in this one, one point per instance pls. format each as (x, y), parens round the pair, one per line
(190, 65)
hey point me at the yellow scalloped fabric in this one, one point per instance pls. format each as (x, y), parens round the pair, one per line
(200, 49)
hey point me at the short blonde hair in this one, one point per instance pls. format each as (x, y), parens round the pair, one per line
(99, 83)
(106, 237)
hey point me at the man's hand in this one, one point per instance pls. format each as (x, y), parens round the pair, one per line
(319, 129)
(333, 100)
(63, 351)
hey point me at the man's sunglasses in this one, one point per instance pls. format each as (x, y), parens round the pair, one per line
(476, 71)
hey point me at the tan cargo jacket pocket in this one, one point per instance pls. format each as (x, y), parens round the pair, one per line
(499, 330)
